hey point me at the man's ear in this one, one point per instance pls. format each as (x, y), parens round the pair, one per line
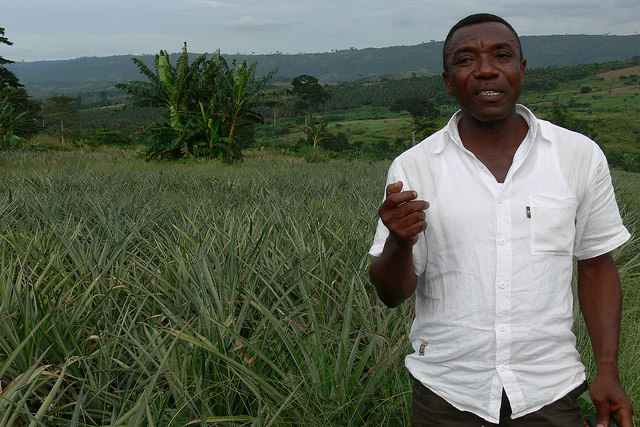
(523, 66)
(447, 82)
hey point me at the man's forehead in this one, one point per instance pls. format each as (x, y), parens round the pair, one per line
(487, 33)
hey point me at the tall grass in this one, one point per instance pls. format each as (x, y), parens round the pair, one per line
(628, 260)
(197, 294)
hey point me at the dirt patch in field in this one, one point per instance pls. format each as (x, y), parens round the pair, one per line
(614, 74)
(625, 89)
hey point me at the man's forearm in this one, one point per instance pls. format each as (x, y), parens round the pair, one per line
(392, 273)
(601, 301)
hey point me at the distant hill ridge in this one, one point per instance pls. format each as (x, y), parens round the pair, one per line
(337, 66)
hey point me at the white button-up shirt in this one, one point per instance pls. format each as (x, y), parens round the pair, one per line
(494, 305)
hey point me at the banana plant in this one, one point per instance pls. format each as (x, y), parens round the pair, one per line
(211, 127)
(242, 93)
(9, 121)
(206, 103)
(316, 132)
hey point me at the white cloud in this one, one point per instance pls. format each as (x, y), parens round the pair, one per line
(208, 3)
(249, 23)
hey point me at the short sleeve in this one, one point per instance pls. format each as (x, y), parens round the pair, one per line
(599, 227)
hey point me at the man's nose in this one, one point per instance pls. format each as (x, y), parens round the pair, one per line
(485, 67)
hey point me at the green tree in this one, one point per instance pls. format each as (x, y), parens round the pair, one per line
(28, 109)
(239, 95)
(10, 122)
(277, 100)
(61, 107)
(205, 102)
(338, 142)
(14, 99)
(422, 110)
(309, 93)
(185, 91)
(316, 132)
(7, 77)
(562, 116)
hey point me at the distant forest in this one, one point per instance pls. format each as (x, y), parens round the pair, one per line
(97, 75)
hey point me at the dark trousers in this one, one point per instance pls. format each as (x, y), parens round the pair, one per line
(430, 410)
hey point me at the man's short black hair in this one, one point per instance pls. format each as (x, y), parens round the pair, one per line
(475, 19)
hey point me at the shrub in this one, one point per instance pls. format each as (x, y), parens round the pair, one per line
(314, 155)
(338, 142)
(110, 137)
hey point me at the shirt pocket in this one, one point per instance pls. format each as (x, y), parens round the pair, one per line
(553, 226)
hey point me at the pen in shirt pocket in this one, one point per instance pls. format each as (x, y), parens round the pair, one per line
(528, 211)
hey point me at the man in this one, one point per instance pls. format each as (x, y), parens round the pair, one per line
(511, 200)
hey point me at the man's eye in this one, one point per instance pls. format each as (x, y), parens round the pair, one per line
(464, 60)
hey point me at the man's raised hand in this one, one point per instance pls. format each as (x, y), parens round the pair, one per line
(403, 214)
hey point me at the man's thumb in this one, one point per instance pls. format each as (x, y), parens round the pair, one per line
(394, 188)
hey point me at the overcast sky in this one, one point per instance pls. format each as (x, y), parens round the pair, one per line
(65, 29)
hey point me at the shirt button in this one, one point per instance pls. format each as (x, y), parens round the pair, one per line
(501, 367)
(502, 328)
(502, 242)
(503, 285)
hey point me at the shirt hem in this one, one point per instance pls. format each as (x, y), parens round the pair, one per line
(560, 395)
(459, 407)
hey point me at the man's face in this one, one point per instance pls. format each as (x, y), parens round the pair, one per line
(485, 71)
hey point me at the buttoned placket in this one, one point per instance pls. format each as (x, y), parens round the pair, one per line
(503, 269)
(503, 280)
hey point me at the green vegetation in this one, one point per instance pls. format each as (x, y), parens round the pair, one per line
(608, 112)
(202, 107)
(423, 113)
(96, 75)
(207, 104)
(17, 112)
(10, 123)
(199, 293)
(136, 293)
(61, 108)
(308, 94)
(361, 112)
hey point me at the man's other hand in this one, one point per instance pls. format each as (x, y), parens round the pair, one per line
(610, 400)
(403, 215)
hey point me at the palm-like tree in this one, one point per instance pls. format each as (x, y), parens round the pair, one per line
(240, 93)
(206, 99)
(174, 87)
(14, 100)
(10, 121)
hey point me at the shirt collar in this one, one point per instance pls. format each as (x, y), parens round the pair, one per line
(451, 134)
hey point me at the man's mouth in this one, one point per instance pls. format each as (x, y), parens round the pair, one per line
(489, 93)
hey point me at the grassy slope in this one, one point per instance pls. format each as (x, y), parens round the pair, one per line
(160, 294)
(611, 108)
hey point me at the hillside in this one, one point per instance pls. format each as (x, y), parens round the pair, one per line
(44, 78)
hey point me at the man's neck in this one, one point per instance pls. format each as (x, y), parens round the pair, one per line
(492, 137)
(494, 144)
